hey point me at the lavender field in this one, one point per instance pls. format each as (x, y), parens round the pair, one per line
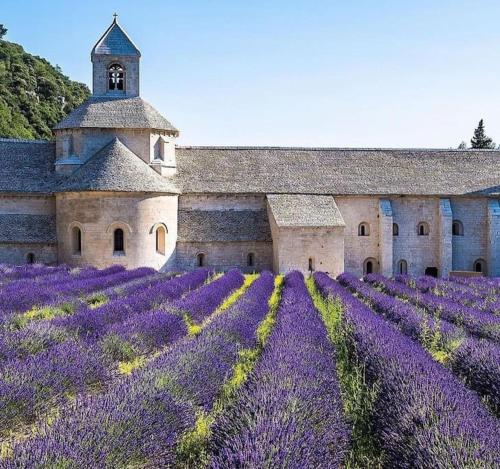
(129, 369)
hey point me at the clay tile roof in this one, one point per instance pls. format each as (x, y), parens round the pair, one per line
(27, 229)
(26, 166)
(337, 171)
(223, 225)
(300, 210)
(115, 168)
(115, 41)
(116, 113)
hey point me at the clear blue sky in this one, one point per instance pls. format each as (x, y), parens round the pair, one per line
(289, 72)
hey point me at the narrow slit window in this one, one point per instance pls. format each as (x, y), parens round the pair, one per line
(77, 240)
(118, 240)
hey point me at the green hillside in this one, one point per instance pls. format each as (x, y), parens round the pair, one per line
(34, 95)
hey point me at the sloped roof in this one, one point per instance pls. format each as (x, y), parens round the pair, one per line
(115, 41)
(116, 113)
(300, 210)
(26, 166)
(27, 229)
(223, 225)
(115, 168)
(337, 171)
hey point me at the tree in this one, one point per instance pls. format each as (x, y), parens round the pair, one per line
(480, 140)
(462, 146)
(3, 31)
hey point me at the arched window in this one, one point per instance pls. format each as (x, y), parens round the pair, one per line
(201, 260)
(423, 229)
(116, 77)
(30, 258)
(402, 267)
(457, 228)
(369, 266)
(480, 266)
(160, 240)
(310, 264)
(118, 241)
(251, 259)
(76, 240)
(395, 229)
(364, 229)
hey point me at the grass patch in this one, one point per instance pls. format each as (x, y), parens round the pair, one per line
(126, 368)
(358, 397)
(96, 300)
(234, 297)
(37, 314)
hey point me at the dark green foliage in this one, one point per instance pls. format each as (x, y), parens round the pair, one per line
(3, 31)
(34, 95)
(480, 140)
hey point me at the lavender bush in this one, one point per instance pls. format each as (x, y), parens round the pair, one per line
(476, 322)
(476, 362)
(289, 413)
(423, 416)
(139, 420)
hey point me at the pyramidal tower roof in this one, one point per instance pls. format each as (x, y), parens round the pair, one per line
(115, 41)
(116, 168)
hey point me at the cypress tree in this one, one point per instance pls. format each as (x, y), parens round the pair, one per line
(480, 140)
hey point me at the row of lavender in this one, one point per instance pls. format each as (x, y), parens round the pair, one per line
(141, 419)
(475, 361)
(422, 415)
(288, 412)
(93, 340)
(138, 420)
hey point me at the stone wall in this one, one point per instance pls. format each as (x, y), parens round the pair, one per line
(295, 247)
(99, 214)
(472, 213)
(27, 205)
(223, 256)
(419, 252)
(386, 249)
(100, 75)
(18, 253)
(87, 142)
(358, 249)
(493, 251)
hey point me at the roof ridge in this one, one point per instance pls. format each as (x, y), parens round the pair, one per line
(299, 148)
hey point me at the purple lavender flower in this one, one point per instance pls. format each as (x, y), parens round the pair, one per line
(422, 416)
(476, 322)
(475, 361)
(204, 301)
(289, 414)
(139, 420)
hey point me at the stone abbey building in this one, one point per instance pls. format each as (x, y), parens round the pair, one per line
(113, 187)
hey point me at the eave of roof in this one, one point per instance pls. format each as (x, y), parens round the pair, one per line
(111, 112)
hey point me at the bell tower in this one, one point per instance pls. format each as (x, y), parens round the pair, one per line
(115, 59)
